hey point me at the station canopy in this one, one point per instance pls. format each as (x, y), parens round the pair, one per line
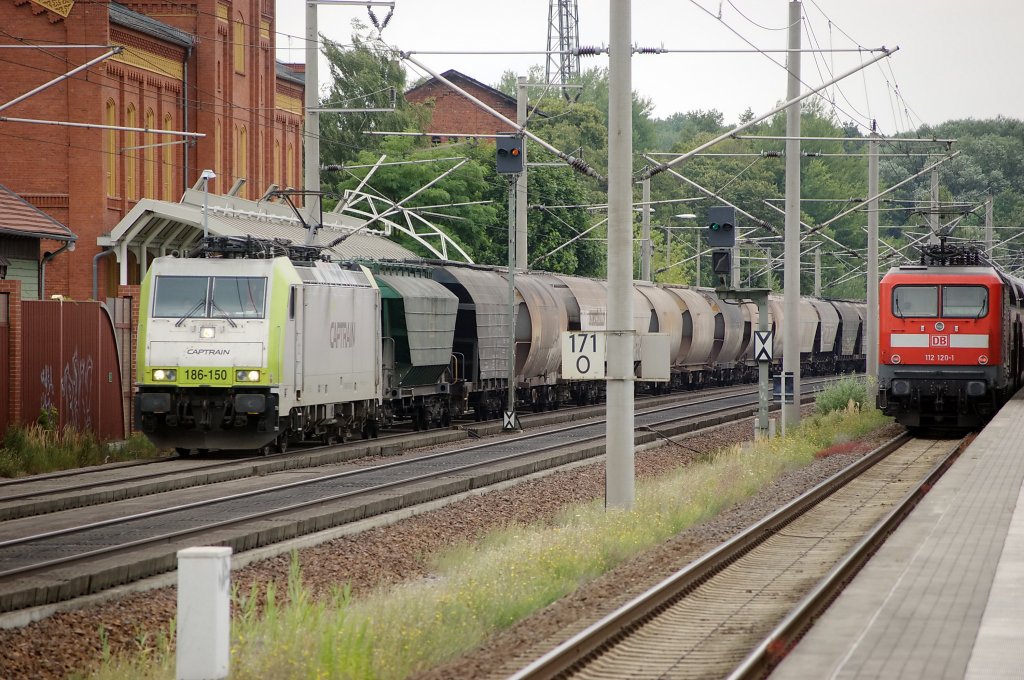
(154, 228)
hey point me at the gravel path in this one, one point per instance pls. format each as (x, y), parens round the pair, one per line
(70, 641)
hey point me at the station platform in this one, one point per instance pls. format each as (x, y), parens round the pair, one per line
(944, 596)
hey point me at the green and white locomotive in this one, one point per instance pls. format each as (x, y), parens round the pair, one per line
(250, 346)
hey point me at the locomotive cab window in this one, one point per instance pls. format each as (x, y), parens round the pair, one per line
(238, 297)
(180, 296)
(219, 297)
(965, 301)
(915, 301)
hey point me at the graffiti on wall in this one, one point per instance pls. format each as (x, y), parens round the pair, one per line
(75, 392)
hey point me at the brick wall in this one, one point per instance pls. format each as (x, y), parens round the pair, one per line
(454, 113)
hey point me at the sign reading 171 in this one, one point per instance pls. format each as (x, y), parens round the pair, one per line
(583, 355)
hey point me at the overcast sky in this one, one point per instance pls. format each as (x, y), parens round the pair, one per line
(956, 59)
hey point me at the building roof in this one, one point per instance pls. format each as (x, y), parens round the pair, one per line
(122, 16)
(18, 217)
(285, 72)
(453, 76)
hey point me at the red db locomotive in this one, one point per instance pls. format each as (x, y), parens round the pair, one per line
(950, 345)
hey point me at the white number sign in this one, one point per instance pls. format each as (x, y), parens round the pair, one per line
(583, 355)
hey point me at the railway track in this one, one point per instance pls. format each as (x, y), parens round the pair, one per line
(70, 557)
(761, 590)
(54, 492)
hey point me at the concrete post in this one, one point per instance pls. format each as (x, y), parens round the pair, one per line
(204, 613)
(791, 273)
(522, 239)
(871, 323)
(311, 134)
(620, 480)
(645, 233)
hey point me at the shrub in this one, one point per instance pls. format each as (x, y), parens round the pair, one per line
(838, 396)
(37, 448)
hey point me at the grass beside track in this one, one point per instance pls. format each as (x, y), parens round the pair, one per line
(483, 587)
(41, 447)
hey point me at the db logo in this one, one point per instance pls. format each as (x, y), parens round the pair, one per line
(940, 341)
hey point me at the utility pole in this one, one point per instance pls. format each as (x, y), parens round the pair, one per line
(696, 279)
(791, 273)
(871, 323)
(645, 233)
(989, 224)
(311, 140)
(934, 216)
(620, 476)
(511, 421)
(521, 235)
(817, 272)
(736, 277)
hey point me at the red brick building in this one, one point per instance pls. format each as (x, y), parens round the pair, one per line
(204, 66)
(453, 113)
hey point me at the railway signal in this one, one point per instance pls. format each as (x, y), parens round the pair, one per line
(721, 227)
(509, 155)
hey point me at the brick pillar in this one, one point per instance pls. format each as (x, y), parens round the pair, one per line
(13, 289)
(131, 293)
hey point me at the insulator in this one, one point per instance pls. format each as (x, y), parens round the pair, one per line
(650, 50)
(589, 51)
(772, 154)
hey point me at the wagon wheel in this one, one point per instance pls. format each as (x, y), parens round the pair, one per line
(281, 443)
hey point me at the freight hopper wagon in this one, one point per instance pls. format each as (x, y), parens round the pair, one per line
(250, 347)
(949, 340)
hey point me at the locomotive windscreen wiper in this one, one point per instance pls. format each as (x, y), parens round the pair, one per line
(217, 308)
(195, 308)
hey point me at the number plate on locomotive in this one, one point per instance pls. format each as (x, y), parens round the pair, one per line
(204, 376)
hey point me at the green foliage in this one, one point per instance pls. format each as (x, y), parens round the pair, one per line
(992, 160)
(37, 448)
(840, 395)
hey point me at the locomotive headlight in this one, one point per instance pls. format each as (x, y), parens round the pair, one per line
(165, 375)
(247, 376)
(207, 332)
(983, 359)
(895, 358)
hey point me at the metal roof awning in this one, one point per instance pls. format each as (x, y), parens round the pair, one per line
(158, 228)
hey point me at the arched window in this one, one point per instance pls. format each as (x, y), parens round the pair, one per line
(217, 144)
(258, 169)
(238, 39)
(243, 159)
(110, 146)
(289, 179)
(131, 156)
(277, 164)
(168, 165)
(149, 157)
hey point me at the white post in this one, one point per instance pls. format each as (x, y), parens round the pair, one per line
(311, 141)
(933, 219)
(620, 475)
(817, 272)
(696, 266)
(522, 238)
(645, 232)
(989, 224)
(871, 323)
(791, 269)
(204, 613)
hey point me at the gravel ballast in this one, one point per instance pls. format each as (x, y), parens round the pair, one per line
(70, 641)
